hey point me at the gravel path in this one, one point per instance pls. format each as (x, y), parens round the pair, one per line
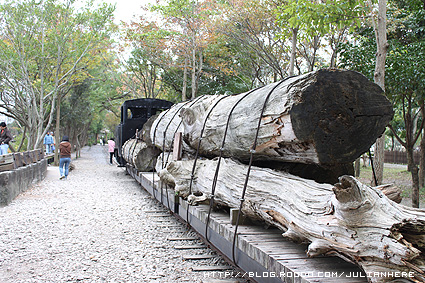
(97, 226)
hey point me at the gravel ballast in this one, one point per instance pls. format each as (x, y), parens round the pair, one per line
(97, 226)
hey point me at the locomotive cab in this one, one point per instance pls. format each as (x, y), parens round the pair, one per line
(134, 114)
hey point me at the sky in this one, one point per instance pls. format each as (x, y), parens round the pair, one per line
(127, 9)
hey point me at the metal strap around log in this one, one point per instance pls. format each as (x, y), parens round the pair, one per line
(373, 168)
(134, 148)
(197, 154)
(214, 183)
(153, 142)
(165, 133)
(172, 144)
(177, 128)
(163, 148)
(181, 121)
(252, 151)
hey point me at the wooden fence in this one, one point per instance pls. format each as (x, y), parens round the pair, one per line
(19, 159)
(400, 157)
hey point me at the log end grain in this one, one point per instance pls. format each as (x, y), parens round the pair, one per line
(341, 112)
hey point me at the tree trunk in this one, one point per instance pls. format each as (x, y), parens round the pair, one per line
(184, 95)
(57, 131)
(378, 160)
(193, 73)
(415, 177)
(326, 117)
(293, 51)
(357, 167)
(23, 139)
(348, 219)
(379, 76)
(422, 150)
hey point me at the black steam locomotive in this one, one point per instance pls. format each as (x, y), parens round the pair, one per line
(134, 114)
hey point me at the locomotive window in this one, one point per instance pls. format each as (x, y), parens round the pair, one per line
(129, 114)
(136, 113)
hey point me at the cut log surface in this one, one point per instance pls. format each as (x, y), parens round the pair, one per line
(325, 117)
(351, 220)
(391, 191)
(140, 155)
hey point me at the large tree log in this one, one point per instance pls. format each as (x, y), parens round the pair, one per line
(325, 117)
(139, 154)
(351, 220)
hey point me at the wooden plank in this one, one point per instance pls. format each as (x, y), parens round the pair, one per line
(172, 226)
(265, 237)
(17, 156)
(198, 257)
(190, 247)
(164, 221)
(6, 159)
(154, 211)
(234, 280)
(211, 268)
(26, 158)
(33, 156)
(160, 215)
(38, 155)
(178, 146)
(183, 239)
(7, 167)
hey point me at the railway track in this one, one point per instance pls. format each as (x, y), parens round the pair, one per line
(189, 244)
(191, 247)
(259, 254)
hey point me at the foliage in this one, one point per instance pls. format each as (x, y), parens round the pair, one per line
(45, 48)
(147, 60)
(405, 74)
(317, 20)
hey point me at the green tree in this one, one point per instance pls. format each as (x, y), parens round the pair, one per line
(148, 59)
(45, 48)
(315, 21)
(188, 20)
(251, 31)
(404, 80)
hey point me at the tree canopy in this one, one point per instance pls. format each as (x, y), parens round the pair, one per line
(72, 53)
(46, 48)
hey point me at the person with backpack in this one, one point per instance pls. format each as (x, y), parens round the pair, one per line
(65, 157)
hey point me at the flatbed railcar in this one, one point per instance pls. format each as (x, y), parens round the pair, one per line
(262, 253)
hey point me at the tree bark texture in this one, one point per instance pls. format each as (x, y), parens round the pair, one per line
(380, 27)
(422, 149)
(378, 160)
(326, 117)
(139, 154)
(349, 219)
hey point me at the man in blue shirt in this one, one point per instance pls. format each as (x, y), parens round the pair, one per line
(48, 141)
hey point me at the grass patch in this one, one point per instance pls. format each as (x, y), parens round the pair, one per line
(397, 175)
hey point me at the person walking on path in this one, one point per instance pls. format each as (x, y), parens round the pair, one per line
(54, 141)
(48, 141)
(65, 157)
(5, 138)
(111, 149)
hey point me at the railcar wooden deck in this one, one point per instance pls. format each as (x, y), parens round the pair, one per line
(261, 253)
